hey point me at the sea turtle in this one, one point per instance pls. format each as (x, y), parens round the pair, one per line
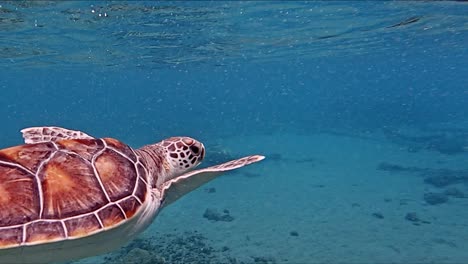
(66, 195)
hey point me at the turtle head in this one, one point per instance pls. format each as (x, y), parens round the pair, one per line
(183, 154)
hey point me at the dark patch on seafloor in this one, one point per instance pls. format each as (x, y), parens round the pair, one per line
(446, 141)
(294, 233)
(414, 218)
(436, 177)
(214, 215)
(444, 179)
(210, 190)
(406, 22)
(433, 198)
(378, 215)
(178, 248)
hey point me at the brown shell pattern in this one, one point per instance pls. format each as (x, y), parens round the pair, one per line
(67, 189)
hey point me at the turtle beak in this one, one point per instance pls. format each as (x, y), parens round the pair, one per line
(202, 154)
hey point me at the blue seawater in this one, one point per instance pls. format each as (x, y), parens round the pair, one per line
(360, 107)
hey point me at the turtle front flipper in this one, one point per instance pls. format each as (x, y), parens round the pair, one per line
(178, 187)
(33, 135)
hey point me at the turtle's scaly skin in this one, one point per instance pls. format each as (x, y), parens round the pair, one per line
(68, 189)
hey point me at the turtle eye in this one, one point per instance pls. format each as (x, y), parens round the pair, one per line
(194, 149)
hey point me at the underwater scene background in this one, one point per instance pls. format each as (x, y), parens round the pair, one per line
(359, 107)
